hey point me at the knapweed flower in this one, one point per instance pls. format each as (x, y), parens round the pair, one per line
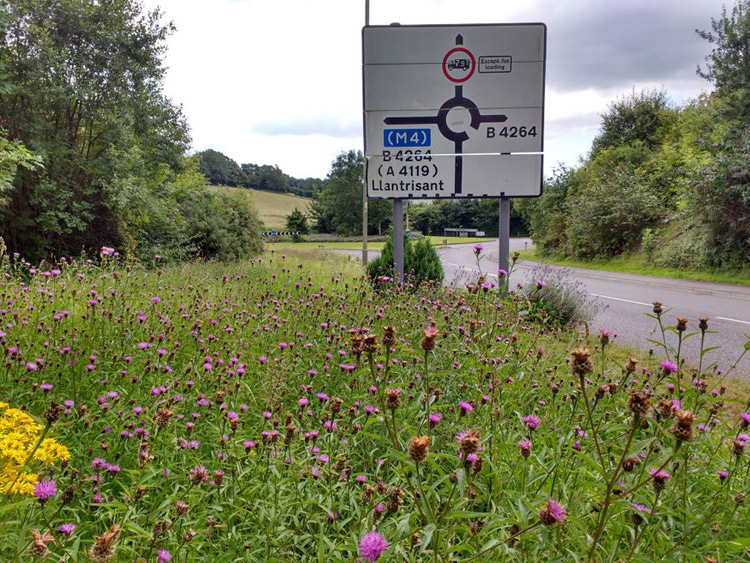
(722, 475)
(637, 516)
(45, 490)
(668, 368)
(435, 419)
(744, 420)
(372, 546)
(163, 556)
(465, 408)
(540, 284)
(478, 248)
(552, 512)
(525, 447)
(531, 422)
(66, 529)
(659, 479)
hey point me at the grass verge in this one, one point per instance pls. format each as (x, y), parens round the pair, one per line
(634, 264)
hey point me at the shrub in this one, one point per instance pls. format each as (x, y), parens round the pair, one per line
(560, 296)
(421, 261)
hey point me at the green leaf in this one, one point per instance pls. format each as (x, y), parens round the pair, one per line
(427, 532)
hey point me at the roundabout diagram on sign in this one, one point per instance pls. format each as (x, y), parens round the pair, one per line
(458, 66)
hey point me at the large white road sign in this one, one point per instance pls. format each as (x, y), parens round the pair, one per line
(436, 97)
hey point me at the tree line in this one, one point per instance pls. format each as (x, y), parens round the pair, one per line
(221, 170)
(672, 182)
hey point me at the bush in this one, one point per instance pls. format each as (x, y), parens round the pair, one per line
(223, 226)
(559, 297)
(421, 261)
(609, 216)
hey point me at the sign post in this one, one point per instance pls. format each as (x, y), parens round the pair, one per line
(454, 112)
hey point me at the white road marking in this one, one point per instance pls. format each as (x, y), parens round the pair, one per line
(733, 320)
(624, 300)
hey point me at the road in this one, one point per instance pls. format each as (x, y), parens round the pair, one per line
(623, 300)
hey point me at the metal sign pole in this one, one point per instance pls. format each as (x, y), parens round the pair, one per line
(504, 241)
(398, 236)
(364, 174)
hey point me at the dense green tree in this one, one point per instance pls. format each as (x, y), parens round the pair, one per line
(272, 178)
(82, 89)
(639, 117)
(13, 155)
(221, 170)
(338, 207)
(728, 65)
(296, 222)
(547, 216)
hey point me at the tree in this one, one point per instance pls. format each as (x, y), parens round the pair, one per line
(82, 89)
(296, 222)
(728, 65)
(638, 117)
(338, 207)
(219, 169)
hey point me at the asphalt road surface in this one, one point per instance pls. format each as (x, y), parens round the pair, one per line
(622, 301)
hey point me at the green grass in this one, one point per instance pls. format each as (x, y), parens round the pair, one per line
(635, 264)
(273, 208)
(436, 241)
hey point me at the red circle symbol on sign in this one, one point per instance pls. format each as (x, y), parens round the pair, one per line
(456, 67)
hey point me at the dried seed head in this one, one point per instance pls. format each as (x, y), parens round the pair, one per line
(631, 366)
(470, 442)
(389, 336)
(39, 542)
(53, 412)
(104, 546)
(370, 344)
(703, 324)
(430, 334)
(681, 324)
(639, 403)
(581, 361)
(419, 448)
(683, 428)
(657, 308)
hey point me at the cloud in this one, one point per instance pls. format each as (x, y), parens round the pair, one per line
(326, 126)
(608, 45)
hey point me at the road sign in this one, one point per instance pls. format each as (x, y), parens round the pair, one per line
(437, 97)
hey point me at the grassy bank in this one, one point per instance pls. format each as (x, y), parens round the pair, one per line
(273, 208)
(636, 264)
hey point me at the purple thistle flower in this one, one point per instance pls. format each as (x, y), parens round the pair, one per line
(553, 513)
(372, 546)
(45, 490)
(66, 529)
(531, 422)
(642, 508)
(540, 284)
(163, 556)
(668, 367)
(465, 407)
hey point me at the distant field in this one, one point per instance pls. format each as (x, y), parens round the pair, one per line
(273, 208)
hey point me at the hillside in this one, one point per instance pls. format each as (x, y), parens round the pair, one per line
(273, 208)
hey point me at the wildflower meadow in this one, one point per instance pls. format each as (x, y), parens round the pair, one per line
(285, 409)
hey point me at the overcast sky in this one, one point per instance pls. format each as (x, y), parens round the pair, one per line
(280, 81)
